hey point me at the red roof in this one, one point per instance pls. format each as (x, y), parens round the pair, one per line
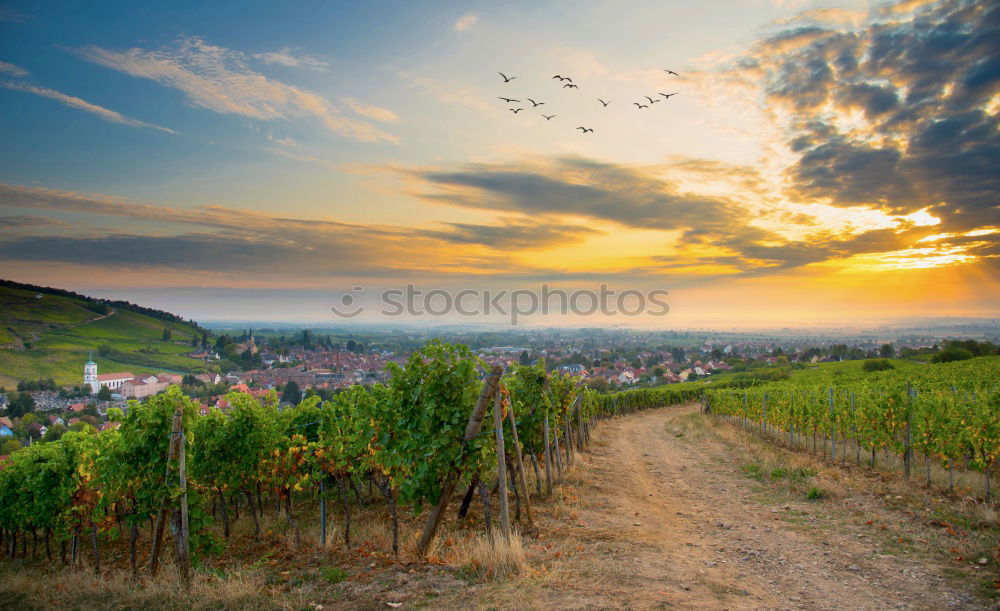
(77, 407)
(115, 376)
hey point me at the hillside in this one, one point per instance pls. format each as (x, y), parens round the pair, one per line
(47, 333)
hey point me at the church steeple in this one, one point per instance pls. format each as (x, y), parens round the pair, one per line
(90, 374)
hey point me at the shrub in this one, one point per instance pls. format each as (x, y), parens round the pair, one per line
(815, 494)
(877, 365)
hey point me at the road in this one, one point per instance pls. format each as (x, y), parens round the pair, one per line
(660, 512)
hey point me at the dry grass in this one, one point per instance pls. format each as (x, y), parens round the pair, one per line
(81, 589)
(492, 556)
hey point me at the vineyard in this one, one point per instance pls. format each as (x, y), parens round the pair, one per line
(441, 424)
(944, 416)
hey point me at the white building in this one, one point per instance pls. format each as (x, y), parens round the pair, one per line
(113, 381)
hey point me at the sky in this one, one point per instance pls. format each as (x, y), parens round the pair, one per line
(821, 162)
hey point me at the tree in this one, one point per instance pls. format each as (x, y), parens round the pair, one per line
(887, 351)
(54, 432)
(599, 384)
(23, 403)
(952, 353)
(104, 394)
(877, 365)
(9, 447)
(292, 393)
(166, 334)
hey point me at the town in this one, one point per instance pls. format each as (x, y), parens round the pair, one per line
(289, 366)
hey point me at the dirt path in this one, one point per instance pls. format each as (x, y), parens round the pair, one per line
(665, 517)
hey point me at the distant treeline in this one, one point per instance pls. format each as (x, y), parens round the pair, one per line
(102, 306)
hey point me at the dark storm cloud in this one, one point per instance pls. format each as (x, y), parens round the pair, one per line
(924, 84)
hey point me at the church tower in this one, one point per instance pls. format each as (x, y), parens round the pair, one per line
(90, 374)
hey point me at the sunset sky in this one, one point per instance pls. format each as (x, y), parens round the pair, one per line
(821, 161)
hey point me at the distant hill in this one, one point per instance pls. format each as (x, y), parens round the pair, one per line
(47, 333)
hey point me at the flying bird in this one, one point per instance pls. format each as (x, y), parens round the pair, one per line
(563, 78)
(640, 105)
(667, 95)
(603, 102)
(508, 100)
(506, 78)
(570, 85)
(515, 111)
(584, 130)
(651, 100)
(670, 72)
(548, 117)
(534, 103)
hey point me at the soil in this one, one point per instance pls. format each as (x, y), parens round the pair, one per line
(665, 515)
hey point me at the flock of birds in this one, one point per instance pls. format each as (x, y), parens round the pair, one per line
(567, 83)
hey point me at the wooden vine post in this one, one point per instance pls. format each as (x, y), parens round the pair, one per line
(161, 516)
(548, 457)
(908, 446)
(520, 466)
(833, 430)
(182, 540)
(448, 488)
(501, 467)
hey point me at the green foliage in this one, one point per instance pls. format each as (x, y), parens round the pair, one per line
(422, 422)
(815, 494)
(951, 354)
(20, 404)
(333, 574)
(406, 437)
(104, 394)
(9, 447)
(953, 409)
(291, 393)
(877, 365)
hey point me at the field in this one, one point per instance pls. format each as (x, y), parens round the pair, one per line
(50, 337)
(665, 508)
(632, 504)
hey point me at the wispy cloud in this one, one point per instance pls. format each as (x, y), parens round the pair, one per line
(448, 92)
(216, 238)
(75, 102)
(291, 58)
(220, 80)
(465, 22)
(11, 15)
(11, 69)
(371, 112)
(283, 141)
